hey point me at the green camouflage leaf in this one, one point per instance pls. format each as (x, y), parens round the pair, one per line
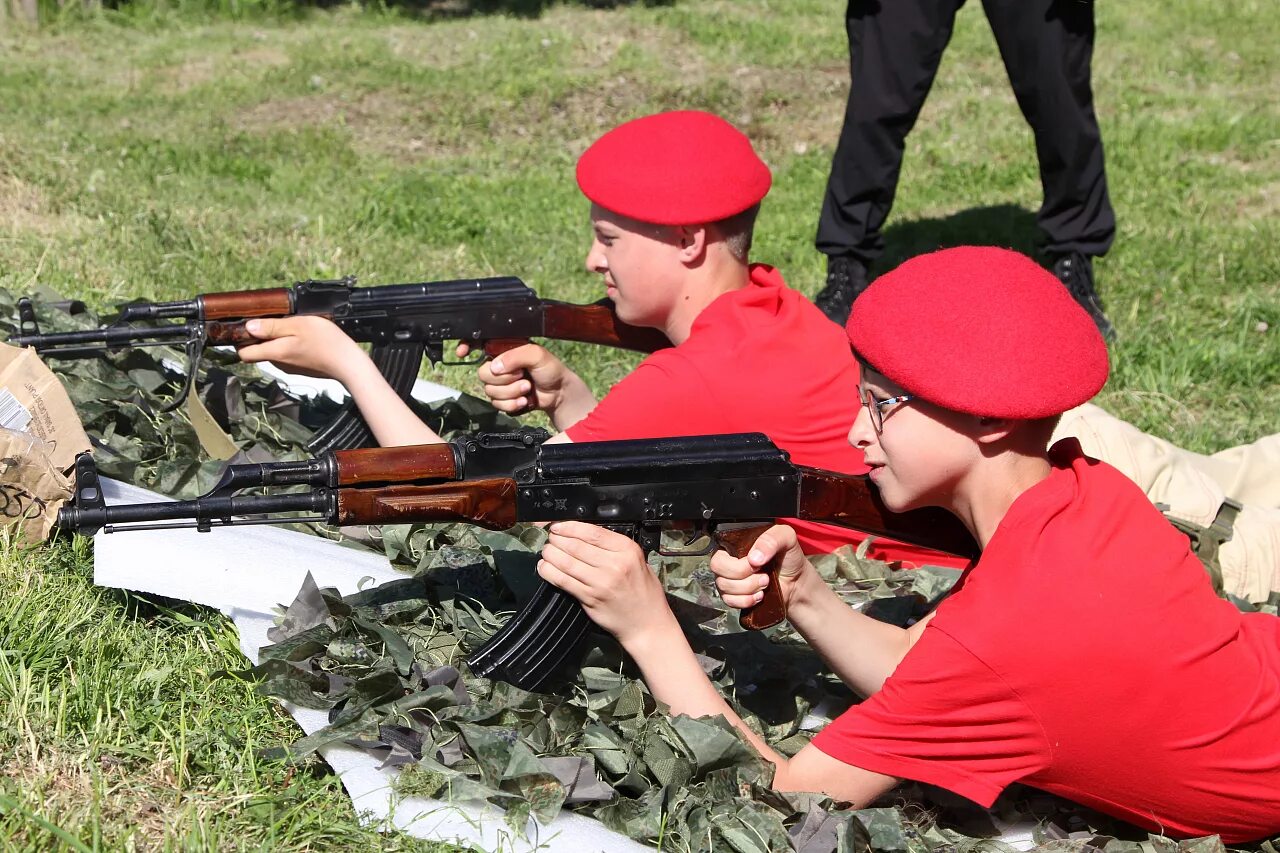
(290, 683)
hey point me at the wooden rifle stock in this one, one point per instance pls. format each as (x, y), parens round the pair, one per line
(850, 500)
(598, 324)
(588, 324)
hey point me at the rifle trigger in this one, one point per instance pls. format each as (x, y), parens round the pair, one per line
(687, 552)
(699, 532)
(464, 363)
(476, 348)
(434, 351)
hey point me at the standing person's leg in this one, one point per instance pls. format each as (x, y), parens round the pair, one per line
(1047, 47)
(894, 50)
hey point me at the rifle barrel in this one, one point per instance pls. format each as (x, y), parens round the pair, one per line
(203, 510)
(107, 336)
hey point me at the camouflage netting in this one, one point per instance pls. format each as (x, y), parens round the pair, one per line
(388, 663)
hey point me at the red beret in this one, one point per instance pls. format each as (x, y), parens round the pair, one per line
(676, 168)
(981, 330)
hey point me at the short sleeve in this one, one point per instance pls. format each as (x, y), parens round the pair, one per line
(663, 396)
(943, 718)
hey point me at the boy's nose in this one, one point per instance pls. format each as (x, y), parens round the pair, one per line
(595, 258)
(862, 433)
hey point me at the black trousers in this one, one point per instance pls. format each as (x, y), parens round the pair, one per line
(894, 50)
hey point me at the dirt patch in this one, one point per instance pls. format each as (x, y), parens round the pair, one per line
(784, 111)
(184, 77)
(292, 113)
(619, 69)
(442, 46)
(600, 37)
(385, 122)
(1262, 203)
(790, 110)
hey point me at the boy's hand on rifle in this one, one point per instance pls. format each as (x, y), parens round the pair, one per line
(741, 581)
(609, 576)
(529, 377)
(306, 344)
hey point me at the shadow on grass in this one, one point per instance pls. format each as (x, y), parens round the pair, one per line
(427, 10)
(1004, 225)
(470, 8)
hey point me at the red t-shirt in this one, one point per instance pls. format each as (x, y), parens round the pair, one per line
(758, 359)
(1085, 654)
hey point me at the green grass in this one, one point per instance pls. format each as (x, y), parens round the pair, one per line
(116, 733)
(173, 149)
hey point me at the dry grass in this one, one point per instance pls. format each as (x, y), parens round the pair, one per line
(68, 790)
(203, 69)
(25, 210)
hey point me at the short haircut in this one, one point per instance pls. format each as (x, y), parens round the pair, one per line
(737, 231)
(1044, 427)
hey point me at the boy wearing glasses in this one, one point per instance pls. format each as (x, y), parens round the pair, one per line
(1084, 653)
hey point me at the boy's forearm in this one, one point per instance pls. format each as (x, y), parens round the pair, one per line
(861, 650)
(392, 421)
(674, 676)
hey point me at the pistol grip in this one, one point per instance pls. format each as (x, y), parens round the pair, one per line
(737, 540)
(496, 347)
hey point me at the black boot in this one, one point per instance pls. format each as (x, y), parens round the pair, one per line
(1075, 271)
(846, 279)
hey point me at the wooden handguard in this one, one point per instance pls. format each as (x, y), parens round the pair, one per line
(485, 503)
(228, 335)
(242, 304)
(597, 324)
(422, 462)
(737, 540)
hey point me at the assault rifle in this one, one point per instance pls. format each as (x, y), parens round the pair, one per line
(402, 322)
(724, 489)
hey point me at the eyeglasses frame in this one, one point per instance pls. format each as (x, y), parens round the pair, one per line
(875, 408)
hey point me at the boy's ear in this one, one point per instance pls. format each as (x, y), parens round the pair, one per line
(991, 430)
(691, 240)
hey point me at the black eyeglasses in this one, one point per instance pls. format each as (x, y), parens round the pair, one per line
(875, 408)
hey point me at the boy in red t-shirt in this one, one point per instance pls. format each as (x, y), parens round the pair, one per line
(1084, 653)
(674, 201)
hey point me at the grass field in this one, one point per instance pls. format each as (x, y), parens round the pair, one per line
(171, 151)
